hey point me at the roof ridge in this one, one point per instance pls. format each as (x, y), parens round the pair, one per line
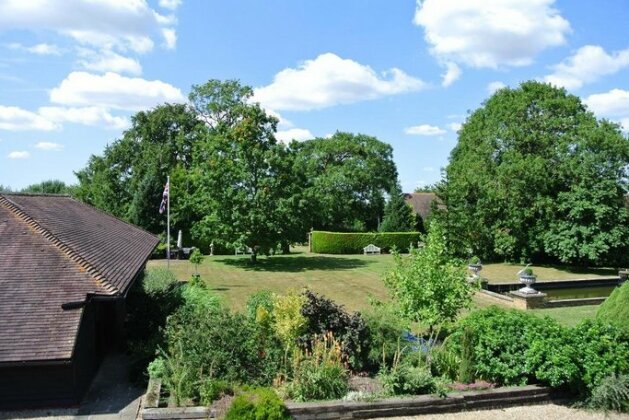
(98, 277)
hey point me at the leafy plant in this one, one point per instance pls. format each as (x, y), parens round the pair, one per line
(466, 369)
(260, 299)
(257, 404)
(319, 375)
(323, 316)
(528, 271)
(384, 328)
(611, 394)
(157, 368)
(289, 322)
(196, 258)
(615, 309)
(429, 285)
(212, 389)
(474, 260)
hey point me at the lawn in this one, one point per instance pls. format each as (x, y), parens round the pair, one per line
(347, 279)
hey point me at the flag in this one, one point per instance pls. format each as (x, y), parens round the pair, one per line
(162, 206)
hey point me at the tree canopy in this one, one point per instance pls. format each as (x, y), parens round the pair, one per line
(398, 216)
(346, 177)
(535, 176)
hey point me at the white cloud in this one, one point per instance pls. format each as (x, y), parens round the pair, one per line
(39, 49)
(587, 65)
(108, 60)
(613, 105)
(330, 80)
(424, 130)
(122, 24)
(170, 4)
(170, 38)
(494, 86)
(49, 146)
(455, 126)
(18, 155)
(481, 33)
(13, 118)
(453, 72)
(112, 90)
(299, 134)
(92, 115)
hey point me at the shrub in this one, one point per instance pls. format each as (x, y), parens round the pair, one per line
(198, 297)
(212, 389)
(289, 322)
(219, 344)
(353, 243)
(467, 371)
(152, 298)
(323, 316)
(601, 350)
(428, 284)
(260, 299)
(259, 404)
(384, 328)
(615, 309)
(319, 375)
(405, 379)
(515, 348)
(157, 368)
(611, 394)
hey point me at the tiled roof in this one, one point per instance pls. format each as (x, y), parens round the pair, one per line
(420, 202)
(56, 250)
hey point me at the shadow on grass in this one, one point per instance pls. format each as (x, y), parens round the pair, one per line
(295, 264)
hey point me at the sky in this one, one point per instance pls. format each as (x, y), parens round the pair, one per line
(73, 72)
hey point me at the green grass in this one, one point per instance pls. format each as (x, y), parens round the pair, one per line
(508, 273)
(569, 316)
(347, 279)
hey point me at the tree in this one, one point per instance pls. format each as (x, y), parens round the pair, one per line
(242, 172)
(429, 285)
(398, 215)
(128, 180)
(345, 179)
(536, 177)
(52, 186)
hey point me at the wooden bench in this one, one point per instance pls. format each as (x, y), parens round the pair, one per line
(371, 249)
(245, 252)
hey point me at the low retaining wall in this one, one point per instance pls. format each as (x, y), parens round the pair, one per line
(423, 404)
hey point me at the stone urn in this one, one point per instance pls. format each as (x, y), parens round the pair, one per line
(527, 279)
(475, 266)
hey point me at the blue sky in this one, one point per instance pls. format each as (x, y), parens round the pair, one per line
(72, 72)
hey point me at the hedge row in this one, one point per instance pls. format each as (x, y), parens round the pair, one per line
(353, 243)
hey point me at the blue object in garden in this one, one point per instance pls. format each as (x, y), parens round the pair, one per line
(418, 343)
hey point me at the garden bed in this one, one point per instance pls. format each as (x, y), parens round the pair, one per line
(389, 407)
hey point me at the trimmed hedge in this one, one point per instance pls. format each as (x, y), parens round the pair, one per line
(353, 243)
(615, 309)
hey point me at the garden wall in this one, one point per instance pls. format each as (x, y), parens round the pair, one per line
(353, 243)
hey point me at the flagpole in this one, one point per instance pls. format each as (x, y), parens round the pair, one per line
(168, 224)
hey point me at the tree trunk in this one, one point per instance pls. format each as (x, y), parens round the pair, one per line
(254, 257)
(285, 247)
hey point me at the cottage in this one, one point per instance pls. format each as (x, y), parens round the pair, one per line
(65, 269)
(421, 202)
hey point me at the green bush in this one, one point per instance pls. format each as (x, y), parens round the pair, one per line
(212, 389)
(514, 348)
(611, 394)
(157, 368)
(152, 298)
(218, 344)
(259, 299)
(405, 379)
(615, 309)
(323, 316)
(319, 375)
(384, 328)
(353, 243)
(259, 404)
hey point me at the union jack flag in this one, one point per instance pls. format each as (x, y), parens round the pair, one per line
(162, 206)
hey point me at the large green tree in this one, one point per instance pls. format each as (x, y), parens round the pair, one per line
(52, 186)
(346, 177)
(128, 179)
(535, 176)
(243, 182)
(398, 215)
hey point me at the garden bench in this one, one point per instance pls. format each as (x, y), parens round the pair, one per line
(371, 249)
(246, 251)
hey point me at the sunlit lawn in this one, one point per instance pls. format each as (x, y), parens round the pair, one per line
(347, 279)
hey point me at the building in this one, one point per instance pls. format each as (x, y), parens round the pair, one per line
(65, 269)
(421, 202)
